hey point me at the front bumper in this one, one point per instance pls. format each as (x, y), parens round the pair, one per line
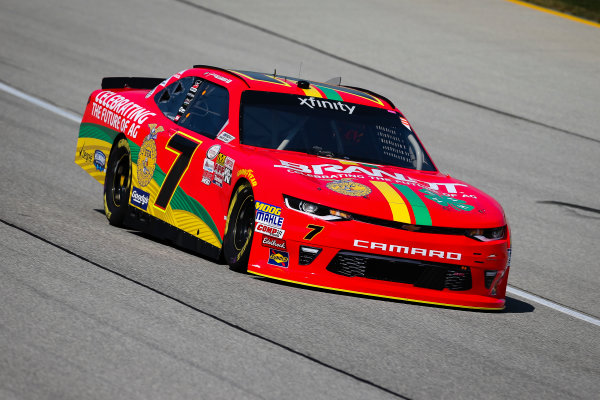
(360, 258)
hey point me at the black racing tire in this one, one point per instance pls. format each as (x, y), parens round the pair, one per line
(117, 183)
(240, 228)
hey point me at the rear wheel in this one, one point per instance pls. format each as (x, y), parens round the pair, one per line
(240, 228)
(117, 183)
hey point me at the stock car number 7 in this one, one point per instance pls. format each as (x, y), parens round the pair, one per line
(184, 147)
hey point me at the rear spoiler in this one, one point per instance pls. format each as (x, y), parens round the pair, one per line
(118, 82)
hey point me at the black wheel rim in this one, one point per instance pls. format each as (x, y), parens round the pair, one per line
(120, 180)
(244, 224)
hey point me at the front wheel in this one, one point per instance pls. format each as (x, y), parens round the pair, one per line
(117, 183)
(240, 228)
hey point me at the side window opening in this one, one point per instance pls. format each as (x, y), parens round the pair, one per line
(178, 88)
(170, 99)
(164, 97)
(208, 110)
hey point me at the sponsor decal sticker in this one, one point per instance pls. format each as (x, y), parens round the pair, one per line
(225, 137)
(147, 158)
(445, 201)
(209, 166)
(273, 242)
(405, 123)
(349, 188)
(218, 77)
(139, 198)
(248, 174)
(195, 86)
(188, 99)
(119, 113)
(227, 176)
(223, 169)
(269, 230)
(154, 131)
(229, 162)
(279, 258)
(312, 102)
(268, 215)
(336, 171)
(88, 157)
(209, 170)
(99, 160)
(213, 151)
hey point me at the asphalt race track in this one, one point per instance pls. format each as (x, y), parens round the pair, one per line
(504, 97)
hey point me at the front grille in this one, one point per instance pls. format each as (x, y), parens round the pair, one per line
(423, 274)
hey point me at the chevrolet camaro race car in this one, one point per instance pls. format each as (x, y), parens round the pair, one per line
(312, 183)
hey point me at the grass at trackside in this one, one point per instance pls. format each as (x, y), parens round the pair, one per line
(587, 9)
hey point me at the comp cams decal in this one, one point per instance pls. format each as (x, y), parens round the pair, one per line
(269, 220)
(269, 230)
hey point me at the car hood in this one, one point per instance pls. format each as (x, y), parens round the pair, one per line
(384, 192)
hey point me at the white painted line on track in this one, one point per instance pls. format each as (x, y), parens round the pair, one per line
(554, 306)
(41, 103)
(518, 292)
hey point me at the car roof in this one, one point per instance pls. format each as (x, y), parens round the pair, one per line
(260, 81)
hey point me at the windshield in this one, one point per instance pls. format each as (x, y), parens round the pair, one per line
(329, 128)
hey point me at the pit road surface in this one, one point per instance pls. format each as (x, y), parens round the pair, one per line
(502, 96)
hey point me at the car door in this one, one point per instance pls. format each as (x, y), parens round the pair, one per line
(188, 166)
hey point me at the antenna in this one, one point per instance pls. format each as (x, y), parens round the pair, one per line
(275, 72)
(300, 70)
(337, 81)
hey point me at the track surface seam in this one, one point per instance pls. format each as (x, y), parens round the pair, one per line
(382, 73)
(216, 318)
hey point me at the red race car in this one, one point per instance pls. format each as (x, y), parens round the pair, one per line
(313, 183)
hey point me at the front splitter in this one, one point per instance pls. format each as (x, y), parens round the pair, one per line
(387, 290)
